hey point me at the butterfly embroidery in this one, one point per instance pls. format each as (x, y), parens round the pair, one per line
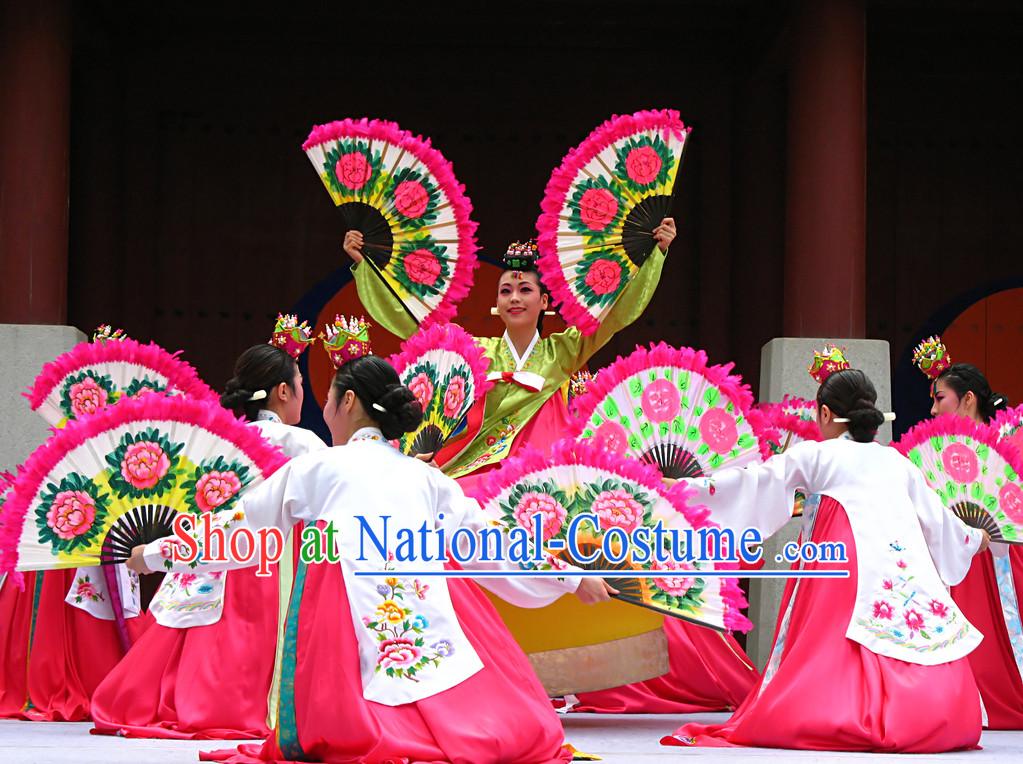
(895, 545)
(421, 589)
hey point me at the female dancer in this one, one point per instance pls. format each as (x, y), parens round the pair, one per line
(384, 667)
(855, 659)
(211, 679)
(989, 595)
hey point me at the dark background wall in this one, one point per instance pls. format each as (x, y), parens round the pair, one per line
(195, 216)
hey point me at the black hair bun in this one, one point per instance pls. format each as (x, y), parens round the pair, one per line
(402, 412)
(864, 419)
(234, 396)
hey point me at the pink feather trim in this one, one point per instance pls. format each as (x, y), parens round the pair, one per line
(1008, 418)
(782, 422)
(444, 175)
(558, 188)
(181, 376)
(449, 337)
(148, 408)
(661, 354)
(951, 424)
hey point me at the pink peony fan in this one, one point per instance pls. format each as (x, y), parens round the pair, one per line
(93, 375)
(1009, 426)
(975, 475)
(414, 215)
(669, 408)
(447, 371)
(576, 478)
(793, 420)
(600, 209)
(103, 485)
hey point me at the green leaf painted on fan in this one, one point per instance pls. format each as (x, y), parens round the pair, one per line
(625, 422)
(703, 450)
(634, 443)
(635, 386)
(646, 429)
(610, 407)
(588, 433)
(664, 428)
(730, 407)
(1010, 473)
(916, 458)
(991, 502)
(711, 397)
(936, 442)
(746, 440)
(983, 451)
(698, 411)
(693, 433)
(678, 427)
(976, 491)
(716, 461)
(683, 380)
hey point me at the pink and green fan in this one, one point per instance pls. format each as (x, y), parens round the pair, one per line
(579, 478)
(1009, 426)
(93, 375)
(102, 485)
(600, 209)
(975, 475)
(669, 408)
(414, 215)
(447, 372)
(792, 421)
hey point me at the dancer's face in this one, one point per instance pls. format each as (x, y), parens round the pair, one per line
(947, 402)
(520, 299)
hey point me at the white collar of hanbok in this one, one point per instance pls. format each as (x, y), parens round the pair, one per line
(266, 415)
(520, 361)
(366, 433)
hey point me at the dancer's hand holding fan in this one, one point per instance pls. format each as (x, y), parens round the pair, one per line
(976, 476)
(102, 486)
(670, 408)
(446, 370)
(413, 215)
(601, 209)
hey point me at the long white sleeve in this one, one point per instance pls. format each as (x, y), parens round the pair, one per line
(759, 495)
(950, 541)
(463, 512)
(268, 505)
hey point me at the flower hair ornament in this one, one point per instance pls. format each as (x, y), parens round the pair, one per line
(521, 258)
(346, 339)
(291, 336)
(931, 357)
(826, 362)
(106, 333)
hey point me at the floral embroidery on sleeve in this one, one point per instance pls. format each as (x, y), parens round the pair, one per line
(401, 633)
(85, 589)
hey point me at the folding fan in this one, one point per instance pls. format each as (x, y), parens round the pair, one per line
(793, 420)
(600, 209)
(1009, 426)
(103, 485)
(577, 478)
(446, 370)
(414, 215)
(976, 475)
(93, 375)
(669, 408)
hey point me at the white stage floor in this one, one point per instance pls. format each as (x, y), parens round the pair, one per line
(617, 739)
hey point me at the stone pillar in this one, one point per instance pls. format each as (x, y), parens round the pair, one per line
(825, 224)
(35, 96)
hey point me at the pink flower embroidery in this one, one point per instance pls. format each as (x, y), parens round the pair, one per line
(901, 564)
(534, 503)
(883, 610)
(604, 276)
(214, 489)
(887, 584)
(643, 165)
(353, 170)
(454, 397)
(87, 397)
(144, 464)
(87, 590)
(167, 549)
(186, 579)
(618, 508)
(597, 208)
(914, 621)
(71, 514)
(422, 266)
(422, 387)
(674, 585)
(938, 609)
(397, 653)
(410, 198)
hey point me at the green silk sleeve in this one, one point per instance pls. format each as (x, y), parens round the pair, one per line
(383, 307)
(574, 349)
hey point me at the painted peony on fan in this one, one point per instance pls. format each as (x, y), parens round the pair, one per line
(414, 215)
(103, 485)
(669, 408)
(93, 375)
(976, 475)
(600, 209)
(577, 478)
(447, 371)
